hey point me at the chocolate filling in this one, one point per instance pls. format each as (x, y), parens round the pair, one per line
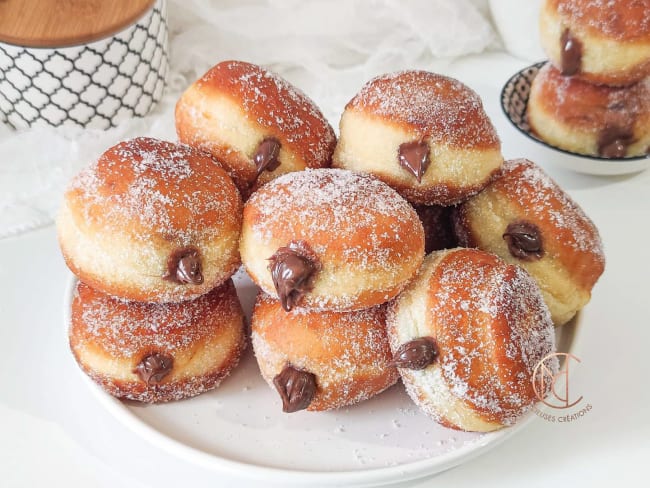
(614, 141)
(153, 368)
(416, 354)
(266, 155)
(524, 240)
(296, 388)
(571, 53)
(292, 269)
(184, 266)
(414, 158)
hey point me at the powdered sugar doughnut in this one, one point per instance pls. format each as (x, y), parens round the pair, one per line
(527, 219)
(424, 134)
(157, 352)
(321, 360)
(151, 221)
(256, 122)
(466, 335)
(598, 120)
(330, 239)
(600, 41)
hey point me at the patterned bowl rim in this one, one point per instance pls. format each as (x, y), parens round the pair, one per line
(534, 68)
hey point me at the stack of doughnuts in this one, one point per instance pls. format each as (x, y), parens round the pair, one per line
(468, 331)
(151, 230)
(328, 248)
(593, 96)
(360, 276)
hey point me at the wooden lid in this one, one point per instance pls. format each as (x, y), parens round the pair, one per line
(59, 23)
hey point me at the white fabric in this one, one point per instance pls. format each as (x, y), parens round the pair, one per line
(328, 48)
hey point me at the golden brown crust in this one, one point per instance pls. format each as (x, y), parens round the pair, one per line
(490, 328)
(569, 236)
(446, 194)
(622, 20)
(368, 240)
(203, 338)
(608, 40)
(166, 392)
(591, 107)
(144, 199)
(434, 107)
(347, 351)
(489, 333)
(276, 108)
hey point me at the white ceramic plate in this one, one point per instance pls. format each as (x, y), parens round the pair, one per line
(514, 102)
(239, 428)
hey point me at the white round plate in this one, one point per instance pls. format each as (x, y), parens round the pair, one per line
(514, 103)
(239, 428)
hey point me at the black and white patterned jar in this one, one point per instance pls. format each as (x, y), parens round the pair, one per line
(94, 85)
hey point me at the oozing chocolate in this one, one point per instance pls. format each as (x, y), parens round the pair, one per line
(414, 157)
(524, 240)
(184, 266)
(614, 141)
(296, 388)
(266, 155)
(292, 269)
(416, 354)
(153, 368)
(571, 53)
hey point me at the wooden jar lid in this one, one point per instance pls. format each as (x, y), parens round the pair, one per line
(60, 23)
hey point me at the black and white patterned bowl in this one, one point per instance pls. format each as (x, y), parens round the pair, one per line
(94, 85)
(514, 102)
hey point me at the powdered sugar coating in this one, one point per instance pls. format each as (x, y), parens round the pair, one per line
(440, 109)
(624, 20)
(534, 190)
(125, 329)
(276, 105)
(151, 188)
(203, 340)
(347, 351)
(367, 238)
(592, 107)
(491, 335)
(491, 327)
(333, 202)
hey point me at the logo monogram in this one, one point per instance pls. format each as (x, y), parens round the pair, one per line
(543, 377)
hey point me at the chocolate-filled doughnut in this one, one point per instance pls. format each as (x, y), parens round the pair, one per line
(599, 41)
(330, 239)
(424, 134)
(151, 221)
(467, 335)
(254, 121)
(157, 352)
(319, 360)
(527, 219)
(598, 120)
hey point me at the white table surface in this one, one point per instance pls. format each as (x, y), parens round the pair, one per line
(53, 432)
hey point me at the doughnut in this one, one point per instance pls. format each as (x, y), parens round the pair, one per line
(597, 120)
(601, 41)
(467, 335)
(330, 239)
(438, 227)
(157, 352)
(423, 134)
(151, 221)
(321, 360)
(257, 123)
(527, 219)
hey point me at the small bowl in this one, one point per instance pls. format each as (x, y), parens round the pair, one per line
(514, 102)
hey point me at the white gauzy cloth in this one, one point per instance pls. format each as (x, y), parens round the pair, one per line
(328, 48)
